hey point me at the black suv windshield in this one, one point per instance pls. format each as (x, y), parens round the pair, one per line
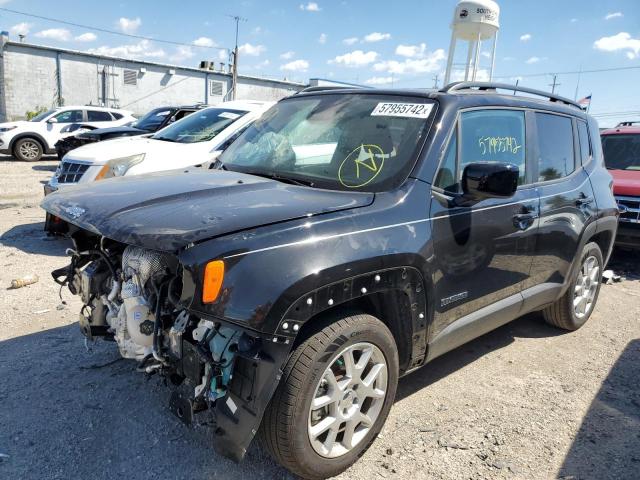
(365, 142)
(200, 126)
(621, 152)
(152, 120)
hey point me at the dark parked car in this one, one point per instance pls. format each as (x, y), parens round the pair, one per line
(346, 238)
(153, 121)
(621, 147)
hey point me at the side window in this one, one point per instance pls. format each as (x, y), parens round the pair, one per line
(585, 145)
(97, 116)
(493, 136)
(69, 116)
(117, 116)
(555, 146)
(446, 177)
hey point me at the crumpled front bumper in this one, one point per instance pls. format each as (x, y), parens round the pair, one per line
(239, 413)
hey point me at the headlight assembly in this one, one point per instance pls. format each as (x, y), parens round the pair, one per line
(6, 129)
(117, 167)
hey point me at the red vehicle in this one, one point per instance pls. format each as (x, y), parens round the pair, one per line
(621, 146)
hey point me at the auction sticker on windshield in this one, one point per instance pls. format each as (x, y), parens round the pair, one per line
(412, 110)
(229, 115)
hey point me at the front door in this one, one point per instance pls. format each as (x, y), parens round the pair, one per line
(483, 252)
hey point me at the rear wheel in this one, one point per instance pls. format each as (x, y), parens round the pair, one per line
(334, 397)
(574, 308)
(28, 150)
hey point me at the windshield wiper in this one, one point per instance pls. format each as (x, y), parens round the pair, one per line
(164, 139)
(280, 178)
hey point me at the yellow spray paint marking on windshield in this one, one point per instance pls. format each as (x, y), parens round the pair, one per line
(364, 163)
(490, 145)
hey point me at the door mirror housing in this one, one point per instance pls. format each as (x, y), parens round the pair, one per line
(52, 120)
(482, 180)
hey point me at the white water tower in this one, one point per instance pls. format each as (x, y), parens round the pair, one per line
(474, 22)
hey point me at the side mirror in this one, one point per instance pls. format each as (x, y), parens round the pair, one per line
(490, 180)
(52, 120)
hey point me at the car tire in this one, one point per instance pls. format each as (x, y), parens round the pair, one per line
(317, 370)
(28, 150)
(575, 307)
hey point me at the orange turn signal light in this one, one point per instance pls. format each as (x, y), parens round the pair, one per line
(213, 277)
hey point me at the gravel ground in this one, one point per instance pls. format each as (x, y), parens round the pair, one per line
(524, 402)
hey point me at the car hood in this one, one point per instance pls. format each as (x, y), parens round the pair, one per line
(98, 133)
(100, 153)
(626, 182)
(169, 210)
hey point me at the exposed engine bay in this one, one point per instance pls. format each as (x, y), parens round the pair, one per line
(132, 296)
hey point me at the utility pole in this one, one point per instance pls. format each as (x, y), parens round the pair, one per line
(575, 96)
(435, 81)
(234, 74)
(554, 84)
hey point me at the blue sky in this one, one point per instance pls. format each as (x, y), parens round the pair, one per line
(401, 43)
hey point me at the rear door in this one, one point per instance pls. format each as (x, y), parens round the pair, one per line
(483, 253)
(567, 201)
(99, 118)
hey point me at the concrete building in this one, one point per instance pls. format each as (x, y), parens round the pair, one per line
(33, 76)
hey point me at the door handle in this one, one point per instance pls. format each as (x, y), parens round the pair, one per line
(522, 221)
(584, 200)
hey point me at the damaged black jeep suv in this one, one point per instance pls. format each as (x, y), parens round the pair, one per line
(345, 239)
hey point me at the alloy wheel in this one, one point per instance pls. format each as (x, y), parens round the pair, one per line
(348, 400)
(586, 286)
(29, 150)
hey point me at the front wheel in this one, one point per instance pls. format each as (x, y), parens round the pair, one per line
(574, 308)
(334, 397)
(28, 150)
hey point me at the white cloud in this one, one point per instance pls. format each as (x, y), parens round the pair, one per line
(532, 60)
(129, 25)
(486, 54)
(376, 37)
(310, 7)
(379, 81)
(296, 66)
(22, 28)
(612, 15)
(182, 53)
(58, 34)
(142, 49)
(411, 51)
(86, 37)
(252, 50)
(525, 38)
(261, 65)
(482, 75)
(357, 58)
(287, 55)
(350, 40)
(573, 20)
(204, 42)
(621, 41)
(429, 63)
(322, 38)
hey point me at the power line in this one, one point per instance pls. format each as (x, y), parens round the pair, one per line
(104, 30)
(574, 72)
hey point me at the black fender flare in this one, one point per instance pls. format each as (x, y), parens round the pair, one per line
(406, 280)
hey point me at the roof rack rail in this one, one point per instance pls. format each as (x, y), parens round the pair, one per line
(457, 86)
(628, 123)
(323, 88)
